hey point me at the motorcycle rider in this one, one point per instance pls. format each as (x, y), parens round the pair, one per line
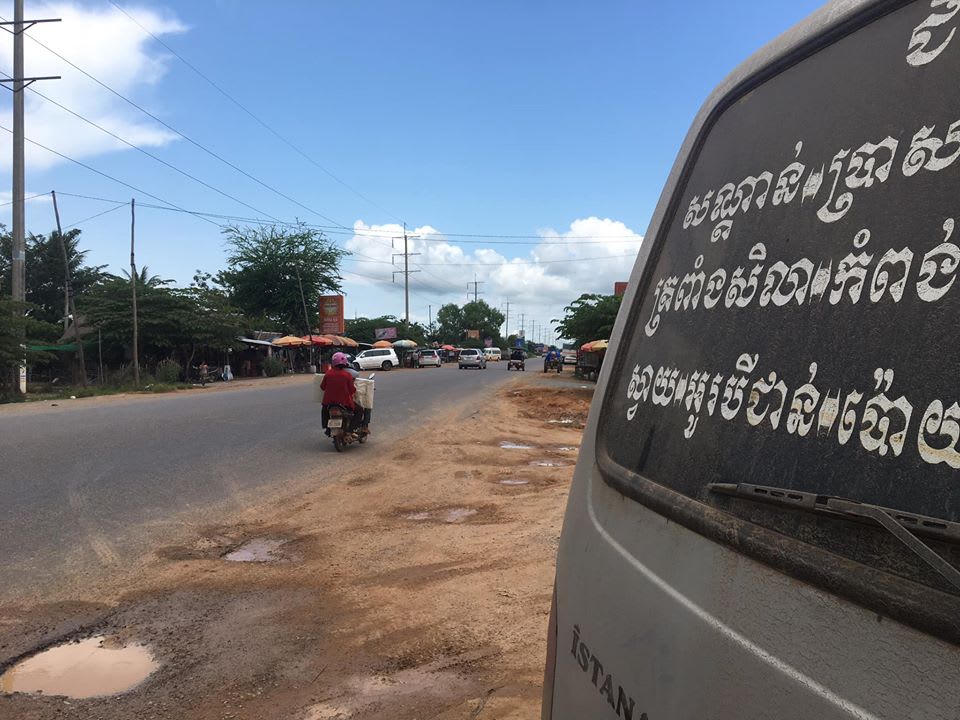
(338, 388)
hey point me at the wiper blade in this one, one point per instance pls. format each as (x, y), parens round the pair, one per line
(905, 526)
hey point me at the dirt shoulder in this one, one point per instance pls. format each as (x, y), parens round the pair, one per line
(416, 586)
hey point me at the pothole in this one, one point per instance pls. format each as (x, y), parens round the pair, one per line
(507, 445)
(514, 481)
(447, 515)
(94, 667)
(567, 448)
(561, 421)
(548, 463)
(258, 550)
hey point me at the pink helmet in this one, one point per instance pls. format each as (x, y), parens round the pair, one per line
(340, 360)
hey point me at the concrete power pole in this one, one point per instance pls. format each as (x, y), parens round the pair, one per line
(406, 273)
(506, 331)
(18, 286)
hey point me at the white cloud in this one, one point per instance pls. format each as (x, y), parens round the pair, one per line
(589, 257)
(106, 44)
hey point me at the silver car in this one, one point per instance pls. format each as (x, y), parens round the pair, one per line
(472, 358)
(429, 358)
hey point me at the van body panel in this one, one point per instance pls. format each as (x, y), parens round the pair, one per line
(675, 602)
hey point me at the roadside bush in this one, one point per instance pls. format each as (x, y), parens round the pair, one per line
(272, 367)
(168, 371)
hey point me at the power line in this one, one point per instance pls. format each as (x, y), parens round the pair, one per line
(270, 129)
(94, 217)
(108, 177)
(147, 152)
(190, 140)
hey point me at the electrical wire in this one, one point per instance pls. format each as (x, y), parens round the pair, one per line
(172, 129)
(105, 175)
(93, 217)
(249, 112)
(142, 150)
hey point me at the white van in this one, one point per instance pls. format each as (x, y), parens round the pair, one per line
(764, 521)
(492, 354)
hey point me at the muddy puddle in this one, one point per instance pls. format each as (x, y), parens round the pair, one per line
(94, 667)
(447, 515)
(549, 463)
(514, 481)
(507, 445)
(258, 550)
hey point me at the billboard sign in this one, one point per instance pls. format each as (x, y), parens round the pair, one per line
(389, 333)
(619, 288)
(474, 334)
(331, 314)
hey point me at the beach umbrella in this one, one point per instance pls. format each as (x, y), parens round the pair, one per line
(447, 347)
(598, 345)
(290, 341)
(382, 344)
(319, 340)
(586, 346)
(405, 344)
(340, 341)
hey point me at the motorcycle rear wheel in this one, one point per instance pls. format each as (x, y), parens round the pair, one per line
(338, 443)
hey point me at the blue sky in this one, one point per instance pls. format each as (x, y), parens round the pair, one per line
(557, 121)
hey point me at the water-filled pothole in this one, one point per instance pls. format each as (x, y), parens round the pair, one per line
(561, 421)
(447, 515)
(94, 667)
(514, 481)
(507, 445)
(548, 463)
(257, 550)
(567, 448)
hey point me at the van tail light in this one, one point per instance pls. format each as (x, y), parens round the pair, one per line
(549, 670)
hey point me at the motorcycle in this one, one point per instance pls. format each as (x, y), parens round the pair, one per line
(349, 426)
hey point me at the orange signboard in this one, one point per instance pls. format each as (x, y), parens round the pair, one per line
(331, 314)
(619, 288)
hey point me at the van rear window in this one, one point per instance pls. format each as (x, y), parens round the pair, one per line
(793, 325)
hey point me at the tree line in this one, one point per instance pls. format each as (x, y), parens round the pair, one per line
(272, 274)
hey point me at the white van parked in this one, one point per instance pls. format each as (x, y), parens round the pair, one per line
(376, 359)
(492, 354)
(764, 520)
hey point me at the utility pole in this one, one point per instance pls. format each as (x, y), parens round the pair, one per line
(133, 285)
(406, 273)
(522, 327)
(69, 301)
(306, 317)
(476, 285)
(430, 318)
(18, 286)
(506, 331)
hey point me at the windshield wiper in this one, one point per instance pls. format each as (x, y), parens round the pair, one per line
(905, 526)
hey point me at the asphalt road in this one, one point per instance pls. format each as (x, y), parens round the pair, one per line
(92, 483)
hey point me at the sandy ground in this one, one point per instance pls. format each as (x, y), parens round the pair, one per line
(418, 585)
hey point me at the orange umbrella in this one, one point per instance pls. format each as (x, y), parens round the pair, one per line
(319, 340)
(290, 341)
(340, 341)
(382, 344)
(447, 347)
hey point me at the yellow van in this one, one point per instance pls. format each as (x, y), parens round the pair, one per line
(764, 521)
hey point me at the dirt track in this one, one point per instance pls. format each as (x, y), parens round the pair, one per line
(416, 587)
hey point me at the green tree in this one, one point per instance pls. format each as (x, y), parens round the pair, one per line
(44, 272)
(172, 321)
(17, 330)
(454, 321)
(589, 317)
(362, 329)
(263, 265)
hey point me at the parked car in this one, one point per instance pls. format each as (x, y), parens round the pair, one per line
(491, 354)
(377, 358)
(471, 357)
(569, 356)
(429, 358)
